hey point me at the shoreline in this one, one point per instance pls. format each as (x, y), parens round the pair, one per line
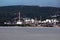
(25, 27)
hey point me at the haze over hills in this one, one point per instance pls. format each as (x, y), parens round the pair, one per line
(10, 12)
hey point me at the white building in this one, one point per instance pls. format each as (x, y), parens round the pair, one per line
(19, 22)
(32, 20)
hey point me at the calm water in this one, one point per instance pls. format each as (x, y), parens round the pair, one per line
(19, 33)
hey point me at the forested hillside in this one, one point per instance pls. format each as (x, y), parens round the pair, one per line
(9, 12)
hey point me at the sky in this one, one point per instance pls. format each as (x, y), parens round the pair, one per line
(53, 3)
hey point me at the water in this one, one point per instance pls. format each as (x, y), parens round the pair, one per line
(28, 33)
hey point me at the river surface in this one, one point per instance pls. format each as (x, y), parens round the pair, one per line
(28, 33)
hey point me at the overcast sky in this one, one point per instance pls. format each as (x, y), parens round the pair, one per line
(54, 3)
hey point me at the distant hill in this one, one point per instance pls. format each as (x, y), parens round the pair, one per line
(9, 12)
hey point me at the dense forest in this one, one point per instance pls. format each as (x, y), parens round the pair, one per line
(10, 12)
